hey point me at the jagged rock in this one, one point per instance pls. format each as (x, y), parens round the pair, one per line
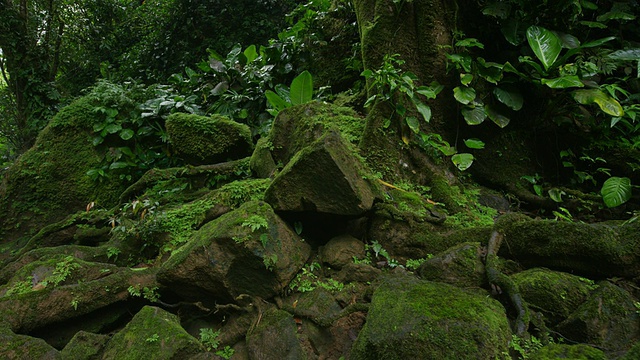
(299, 126)
(334, 342)
(555, 294)
(152, 334)
(416, 319)
(84, 346)
(462, 265)
(341, 250)
(14, 346)
(607, 319)
(566, 351)
(324, 177)
(275, 337)
(262, 163)
(247, 251)
(203, 140)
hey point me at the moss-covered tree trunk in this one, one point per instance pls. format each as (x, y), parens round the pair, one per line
(419, 31)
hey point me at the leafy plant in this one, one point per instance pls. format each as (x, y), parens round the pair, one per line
(209, 338)
(616, 191)
(226, 353)
(300, 92)
(153, 339)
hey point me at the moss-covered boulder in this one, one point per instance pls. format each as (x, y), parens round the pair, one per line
(247, 251)
(49, 181)
(555, 294)
(15, 346)
(84, 346)
(299, 126)
(152, 334)
(607, 319)
(462, 265)
(275, 337)
(566, 351)
(203, 140)
(415, 319)
(599, 249)
(324, 177)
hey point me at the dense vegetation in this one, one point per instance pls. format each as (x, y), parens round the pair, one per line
(142, 130)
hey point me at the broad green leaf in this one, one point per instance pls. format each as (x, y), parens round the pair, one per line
(251, 53)
(568, 41)
(556, 194)
(413, 124)
(616, 191)
(545, 44)
(464, 94)
(430, 91)
(423, 109)
(496, 117)
(474, 143)
(118, 165)
(509, 96)
(470, 42)
(596, 43)
(113, 128)
(510, 31)
(625, 55)
(563, 82)
(616, 15)
(276, 102)
(462, 161)
(593, 24)
(301, 88)
(473, 115)
(466, 79)
(126, 134)
(462, 61)
(537, 188)
(606, 103)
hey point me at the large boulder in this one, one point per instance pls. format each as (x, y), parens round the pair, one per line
(555, 294)
(15, 346)
(325, 177)
(201, 140)
(247, 251)
(275, 337)
(152, 334)
(607, 319)
(462, 265)
(415, 319)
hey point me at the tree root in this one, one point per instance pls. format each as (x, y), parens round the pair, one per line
(502, 283)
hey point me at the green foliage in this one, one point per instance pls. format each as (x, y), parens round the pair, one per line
(226, 353)
(414, 264)
(153, 339)
(150, 294)
(209, 338)
(300, 92)
(62, 271)
(616, 191)
(308, 279)
(525, 347)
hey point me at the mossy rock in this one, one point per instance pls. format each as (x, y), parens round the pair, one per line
(203, 140)
(607, 319)
(299, 126)
(555, 294)
(565, 351)
(262, 163)
(49, 181)
(598, 250)
(341, 250)
(633, 353)
(275, 337)
(247, 251)
(461, 265)
(152, 334)
(325, 177)
(15, 346)
(84, 346)
(415, 319)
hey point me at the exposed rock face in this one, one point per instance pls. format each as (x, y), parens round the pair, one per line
(247, 251)
(341, 250)
(413, 319)
(275, 338)
(208, 140)
(461, 265)
(152, 334)
(323, 177)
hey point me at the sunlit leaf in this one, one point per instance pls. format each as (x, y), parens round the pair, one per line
(606, 103)
(563, 82)
(423, 109)
(413, 124)
(301, 91)
(616, 191)
(473, 115)
(545, 44)
(276, 102)
(625, 55)
(462, 161)
(464, 95)
(470, 42)
(466, 79)
(556, 194)
(474, 143)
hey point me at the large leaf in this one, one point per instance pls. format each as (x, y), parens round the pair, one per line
(626, 55)
(276, 102)
(301, 88)
(509, 96)
(616, 191)
(473, 115)
(464, 94)
(563, 82)
(606, 103)
(462, 161)
(413, 124)
(474, 143)
(423, 109)
(545, 44)
(497, 117)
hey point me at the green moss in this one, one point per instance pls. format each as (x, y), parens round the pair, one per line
(152, 334)
(412, 319)
(202, 139)
(565, 351)
(84, 346)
